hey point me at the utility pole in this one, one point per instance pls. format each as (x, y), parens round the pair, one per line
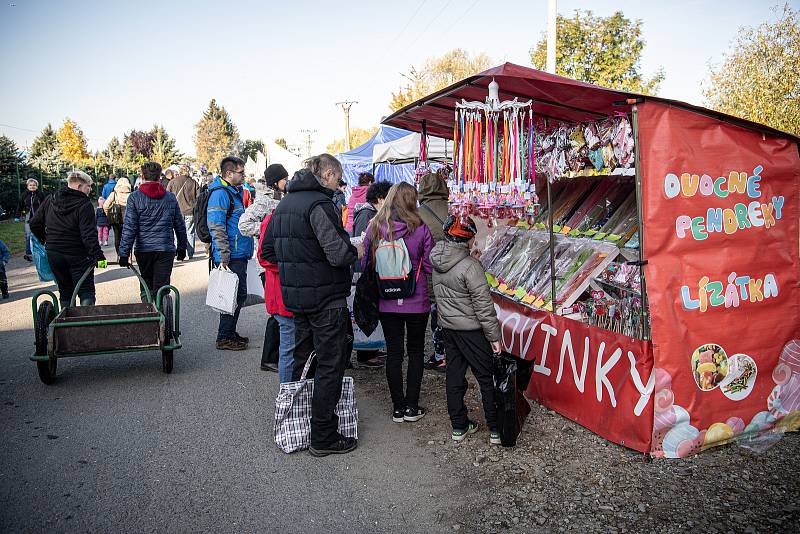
(552, 14)
(308, 133)
(346, 105)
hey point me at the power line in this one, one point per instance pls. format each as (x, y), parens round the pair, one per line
(439, 14)
(18, 128)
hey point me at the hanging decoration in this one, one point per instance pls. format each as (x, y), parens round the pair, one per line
(493, 158)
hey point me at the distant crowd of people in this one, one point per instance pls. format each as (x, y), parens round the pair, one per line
(313, 242)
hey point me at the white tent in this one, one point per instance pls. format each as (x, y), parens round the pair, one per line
(250, 167)
(406, 149)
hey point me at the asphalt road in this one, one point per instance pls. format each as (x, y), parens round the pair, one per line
(116, 445)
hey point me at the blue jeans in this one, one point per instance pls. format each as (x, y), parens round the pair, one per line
(286, 348)
(227, 323)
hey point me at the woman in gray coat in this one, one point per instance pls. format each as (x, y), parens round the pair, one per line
(469, 323)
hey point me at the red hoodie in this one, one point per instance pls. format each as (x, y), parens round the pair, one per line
(153, 189)
(272, 282)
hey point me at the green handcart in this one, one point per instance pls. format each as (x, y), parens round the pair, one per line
(105, 329)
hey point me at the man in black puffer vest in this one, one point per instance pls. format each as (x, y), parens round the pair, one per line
(306, 240)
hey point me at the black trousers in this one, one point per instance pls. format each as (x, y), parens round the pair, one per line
(324, 332)
(156, 269)
(3, 279)
(468, 349)
(67, 270)
(117, 228)
(395, 327)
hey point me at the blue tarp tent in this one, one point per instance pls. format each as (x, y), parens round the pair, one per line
(359, 160)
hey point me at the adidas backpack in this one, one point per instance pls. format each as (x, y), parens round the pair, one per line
(393, 267)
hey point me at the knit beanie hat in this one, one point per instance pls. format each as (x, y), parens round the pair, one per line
(274, 174)
(459, 229)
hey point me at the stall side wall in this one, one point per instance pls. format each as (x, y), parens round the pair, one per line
(597, 378)
(720, 210)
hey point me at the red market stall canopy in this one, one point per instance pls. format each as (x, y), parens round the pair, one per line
(555, 97)
(717, 201)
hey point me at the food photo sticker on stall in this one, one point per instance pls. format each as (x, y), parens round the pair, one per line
(742, 373)
(709, 366)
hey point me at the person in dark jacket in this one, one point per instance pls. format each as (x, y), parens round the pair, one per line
(306, 240)
(186, 189)
(5, 257)
(65, 225)
(152, 221)
(102, 222)
(340, 199)
(31, 199)
(375, 196)
(433, 209)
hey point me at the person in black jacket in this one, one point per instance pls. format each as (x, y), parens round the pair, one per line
(152, 220)
(31, 199)
(65, 224)
(312, 250)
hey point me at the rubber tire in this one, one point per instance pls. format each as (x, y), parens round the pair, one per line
(169, 323)
(47, 370)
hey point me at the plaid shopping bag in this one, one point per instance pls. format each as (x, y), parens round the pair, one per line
(293, 411)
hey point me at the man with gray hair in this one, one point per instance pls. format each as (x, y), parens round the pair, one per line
(65, 224)
(312, 250)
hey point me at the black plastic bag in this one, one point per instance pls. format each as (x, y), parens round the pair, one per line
(512, 407)
(272, 341)
(365, 302)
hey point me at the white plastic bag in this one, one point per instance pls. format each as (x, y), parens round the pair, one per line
(255, 289)
(361, 341)
(222, 287)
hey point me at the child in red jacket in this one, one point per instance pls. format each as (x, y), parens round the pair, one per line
(274, 302)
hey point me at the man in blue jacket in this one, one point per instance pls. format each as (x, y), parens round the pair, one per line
(229, 248)
(152, 220)
(109, 187)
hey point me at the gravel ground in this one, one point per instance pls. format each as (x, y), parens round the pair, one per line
(563, 478)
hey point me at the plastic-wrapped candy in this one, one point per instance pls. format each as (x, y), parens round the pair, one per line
(609, 159)
(576, 138)
(605, 131)
(596, 159)
(590, 134)
(623, 142)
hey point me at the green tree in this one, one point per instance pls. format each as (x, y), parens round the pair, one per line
(13, 173)
(215, 136)
(358, 136)
(163, 150)
(758, 79)
(250, 148)
(72, 143)
(281, 142)
(605, 51)
(437, 73)
(45, 153)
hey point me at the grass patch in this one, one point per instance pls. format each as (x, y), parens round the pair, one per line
(13, 235)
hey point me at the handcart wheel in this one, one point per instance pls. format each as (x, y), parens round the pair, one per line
(47, 369)
(169, 329)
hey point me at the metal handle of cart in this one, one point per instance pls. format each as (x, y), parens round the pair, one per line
(90, 270)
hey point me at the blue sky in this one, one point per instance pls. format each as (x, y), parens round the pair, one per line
(279, 67)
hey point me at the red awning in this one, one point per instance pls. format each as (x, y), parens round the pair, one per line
(554, 97)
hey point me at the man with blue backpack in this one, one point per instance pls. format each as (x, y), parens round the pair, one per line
(229, 248)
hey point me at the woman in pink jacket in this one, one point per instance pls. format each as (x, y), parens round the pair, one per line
(358, 196)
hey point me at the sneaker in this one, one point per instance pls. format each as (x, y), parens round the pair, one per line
(494, 438)
(6, 296)
(413, 414)
(243, 339)
(28, 257)
(231, 344)
(431, 362)
(459, 435)
(272, 367)
(441, 366)
(398, 415)
(341, 446)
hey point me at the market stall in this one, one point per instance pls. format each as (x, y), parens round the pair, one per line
(407, 150)
(643, 253)
(359, 160)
